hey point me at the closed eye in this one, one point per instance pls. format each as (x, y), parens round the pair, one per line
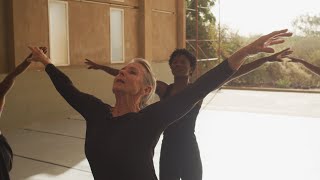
(133, 71)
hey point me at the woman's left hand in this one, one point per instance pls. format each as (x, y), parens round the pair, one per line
(39, 56)
(277, 57)
(263, 43)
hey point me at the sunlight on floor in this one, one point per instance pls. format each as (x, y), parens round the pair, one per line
(270, 136)
(248, 146)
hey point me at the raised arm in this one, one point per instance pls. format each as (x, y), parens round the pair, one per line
(8, 81)
(311, 67)
(24, 65)
(6, 155)
(169, 110)
(247, 68)
(87, 105)
(107, 69)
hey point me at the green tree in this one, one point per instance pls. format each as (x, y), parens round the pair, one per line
(206, 21)
(308, 25)
(230, 41)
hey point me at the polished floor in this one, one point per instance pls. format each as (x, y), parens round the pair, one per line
(243, 135)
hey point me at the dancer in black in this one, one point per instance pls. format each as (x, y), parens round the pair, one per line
(120, 139)
(180, 156)
(5, 158)
(310, 67)
(5, 86)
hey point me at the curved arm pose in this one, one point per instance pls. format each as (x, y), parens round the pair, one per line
(162, 86)
(311, 67)
(180, 155)
(5, 86)
(249, 67)
(120, 140)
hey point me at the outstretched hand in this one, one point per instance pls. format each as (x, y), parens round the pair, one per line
(92, 65)
(44, 49)
(38, 55)
(263, 43)
(277, 57)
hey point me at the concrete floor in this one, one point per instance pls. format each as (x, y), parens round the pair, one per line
(242, 134)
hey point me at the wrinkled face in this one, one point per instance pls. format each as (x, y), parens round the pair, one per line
(180, 66)
(129, 81)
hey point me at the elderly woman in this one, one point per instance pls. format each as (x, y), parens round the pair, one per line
(180, 155)
(120, 140)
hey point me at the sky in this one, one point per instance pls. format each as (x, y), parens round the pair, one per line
(261, 17)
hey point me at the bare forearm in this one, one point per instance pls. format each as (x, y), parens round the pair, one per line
(245, 69)
(110, 70)
(2, 101)
(311, 67)
(8, 81)
(20, 68)
(5, 86)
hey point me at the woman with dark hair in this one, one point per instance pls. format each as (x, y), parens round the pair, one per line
(5, 86)
(180, 155)
(120, 140)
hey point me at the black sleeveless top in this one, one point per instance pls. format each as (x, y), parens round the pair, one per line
(185, 126)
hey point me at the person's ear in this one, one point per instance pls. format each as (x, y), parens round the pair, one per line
(191, 71)
(147, 90)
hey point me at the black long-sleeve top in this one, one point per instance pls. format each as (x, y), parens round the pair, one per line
(121, 148)
(5, 158)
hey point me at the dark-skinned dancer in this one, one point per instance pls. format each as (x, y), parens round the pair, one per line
(6, 154)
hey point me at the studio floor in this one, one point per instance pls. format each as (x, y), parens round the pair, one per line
(242, 134)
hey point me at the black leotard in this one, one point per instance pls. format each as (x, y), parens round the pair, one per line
(121, 148)
(180, 155)
(5, 158)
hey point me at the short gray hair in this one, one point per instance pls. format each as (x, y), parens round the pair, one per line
(149, 80)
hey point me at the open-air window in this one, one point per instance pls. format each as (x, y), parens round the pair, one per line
(117, 35)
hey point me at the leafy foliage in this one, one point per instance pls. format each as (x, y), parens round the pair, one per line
(308, 25)
(224, 41)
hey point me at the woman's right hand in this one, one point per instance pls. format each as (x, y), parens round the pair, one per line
(92, 65)
(264, 43)
(277, 57)
(38, 55)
